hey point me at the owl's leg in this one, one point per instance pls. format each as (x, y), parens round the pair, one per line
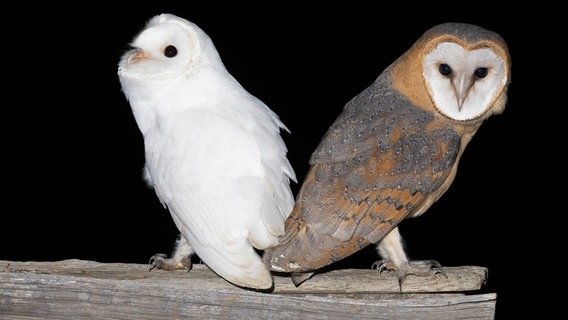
(391, 249)
(181, 257)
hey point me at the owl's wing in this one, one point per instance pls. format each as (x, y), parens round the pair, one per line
(220, 239)
(228, 189)
(381, 161)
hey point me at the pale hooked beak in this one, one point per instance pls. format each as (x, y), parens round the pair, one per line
(462, 85)
(138, 55)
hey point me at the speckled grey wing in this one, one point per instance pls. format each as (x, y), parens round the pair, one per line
(378, 163)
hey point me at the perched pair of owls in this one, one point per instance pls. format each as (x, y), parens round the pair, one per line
(215, 157)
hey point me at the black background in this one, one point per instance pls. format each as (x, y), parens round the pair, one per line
(73, 154)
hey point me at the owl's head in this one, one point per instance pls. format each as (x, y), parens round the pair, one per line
(462, 70)
(167, 47)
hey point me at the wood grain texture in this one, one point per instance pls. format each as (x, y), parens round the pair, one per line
(73, 289)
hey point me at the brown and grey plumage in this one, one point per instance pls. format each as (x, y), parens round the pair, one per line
(394, 151)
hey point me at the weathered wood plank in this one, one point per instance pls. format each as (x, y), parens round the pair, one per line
(74, 289)
(457, 279)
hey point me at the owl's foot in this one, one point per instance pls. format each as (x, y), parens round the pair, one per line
(419, 268)
(161, 261)
(180, 260)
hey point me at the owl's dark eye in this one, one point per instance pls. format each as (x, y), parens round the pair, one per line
(445, 69)
(481, 72)
(170, 51)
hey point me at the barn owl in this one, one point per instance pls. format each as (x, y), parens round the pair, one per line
(394, 151)
(214, 153)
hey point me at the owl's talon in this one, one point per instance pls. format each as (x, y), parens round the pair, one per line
(157, 255)
(160, 261)
(419, 268)
(382, 266)
(153, 260)
(425, 268)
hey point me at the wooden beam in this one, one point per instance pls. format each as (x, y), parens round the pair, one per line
(72, 289)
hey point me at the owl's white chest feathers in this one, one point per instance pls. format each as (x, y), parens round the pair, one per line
(196, 129)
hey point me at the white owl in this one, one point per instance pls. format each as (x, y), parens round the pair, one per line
(213, 151)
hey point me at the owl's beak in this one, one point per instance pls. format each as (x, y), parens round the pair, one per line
(462, 85)
(138, 55)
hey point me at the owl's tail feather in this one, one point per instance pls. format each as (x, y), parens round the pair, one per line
(239, 264)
